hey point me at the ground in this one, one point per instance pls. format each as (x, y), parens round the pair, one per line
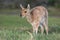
(13, 27)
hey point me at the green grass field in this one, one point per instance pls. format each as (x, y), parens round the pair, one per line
(13, 27)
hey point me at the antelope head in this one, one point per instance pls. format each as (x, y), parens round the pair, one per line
(24, 11)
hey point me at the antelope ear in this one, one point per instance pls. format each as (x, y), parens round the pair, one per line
(28, 7)
(21, 6)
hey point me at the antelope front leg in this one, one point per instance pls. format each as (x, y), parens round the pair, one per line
(35, 29)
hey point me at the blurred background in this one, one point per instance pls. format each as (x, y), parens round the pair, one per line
(13, 27)
(15, 4)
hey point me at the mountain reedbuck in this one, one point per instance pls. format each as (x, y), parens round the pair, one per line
(38, 16)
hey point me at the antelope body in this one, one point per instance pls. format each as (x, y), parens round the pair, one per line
(38, 16)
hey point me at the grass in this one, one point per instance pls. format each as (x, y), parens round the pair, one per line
(54, 11)
(13, 27)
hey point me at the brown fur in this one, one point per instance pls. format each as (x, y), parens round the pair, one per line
(37, 16)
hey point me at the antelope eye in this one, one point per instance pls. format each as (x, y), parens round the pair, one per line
(25, 11)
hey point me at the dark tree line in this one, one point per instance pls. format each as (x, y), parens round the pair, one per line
(15, 3)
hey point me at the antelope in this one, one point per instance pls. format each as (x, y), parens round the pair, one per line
(37, 17)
